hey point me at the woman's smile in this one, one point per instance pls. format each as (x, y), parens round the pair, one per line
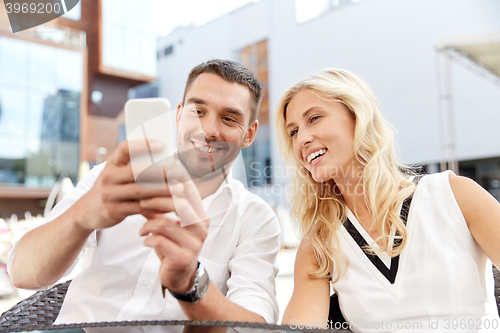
(322, 133)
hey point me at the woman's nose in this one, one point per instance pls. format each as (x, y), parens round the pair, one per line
(304, 138)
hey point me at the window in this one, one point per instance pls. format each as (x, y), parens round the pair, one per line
(168, 50)
(40, 90)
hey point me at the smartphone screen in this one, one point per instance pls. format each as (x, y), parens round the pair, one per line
(146, 119)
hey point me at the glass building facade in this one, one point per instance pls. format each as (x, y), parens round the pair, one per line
(40, 89)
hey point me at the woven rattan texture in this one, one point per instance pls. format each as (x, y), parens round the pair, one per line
(496, 274)
(41, 308)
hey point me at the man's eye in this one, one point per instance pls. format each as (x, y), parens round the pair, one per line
(229, 119)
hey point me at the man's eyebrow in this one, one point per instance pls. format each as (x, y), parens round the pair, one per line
(234, 111)
(304, 115)
(196, 100)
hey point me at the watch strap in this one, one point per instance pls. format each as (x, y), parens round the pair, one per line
(187, 297)
(190, 296)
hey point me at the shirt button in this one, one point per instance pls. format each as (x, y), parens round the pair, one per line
(146, 283)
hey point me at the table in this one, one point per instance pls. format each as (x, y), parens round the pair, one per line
(172, 326)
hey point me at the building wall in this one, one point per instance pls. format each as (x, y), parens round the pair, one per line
(389, 43)
(220, 38)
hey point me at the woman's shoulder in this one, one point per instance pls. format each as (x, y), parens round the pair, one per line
(459, 185)
(438, 191)
(469, 195)
(434, 181)
(481, 212)
(443, 175)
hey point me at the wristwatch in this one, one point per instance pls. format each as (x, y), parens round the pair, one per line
(199, 288)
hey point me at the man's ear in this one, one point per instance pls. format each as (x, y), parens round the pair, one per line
(178, 113)
(250, 135)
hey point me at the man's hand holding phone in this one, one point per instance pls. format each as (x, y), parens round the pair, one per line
(115, 194)
(176, 238)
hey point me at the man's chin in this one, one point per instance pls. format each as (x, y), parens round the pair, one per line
(201, 165)
(203, 170)
(209, 176)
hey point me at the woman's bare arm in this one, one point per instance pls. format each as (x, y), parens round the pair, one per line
(310, 302)
(482, 213)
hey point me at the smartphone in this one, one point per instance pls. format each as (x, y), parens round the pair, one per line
(146, 119)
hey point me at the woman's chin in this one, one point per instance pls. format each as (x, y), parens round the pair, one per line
(320, 175)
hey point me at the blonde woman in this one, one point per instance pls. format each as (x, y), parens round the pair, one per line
(423, 270)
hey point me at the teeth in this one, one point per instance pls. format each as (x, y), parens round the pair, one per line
(205, 148)
(315, 154)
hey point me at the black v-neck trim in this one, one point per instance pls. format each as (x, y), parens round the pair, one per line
(389, 273)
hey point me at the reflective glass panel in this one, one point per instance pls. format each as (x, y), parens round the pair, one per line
(40, 89)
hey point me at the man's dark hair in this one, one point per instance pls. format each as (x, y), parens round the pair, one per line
(233, 72)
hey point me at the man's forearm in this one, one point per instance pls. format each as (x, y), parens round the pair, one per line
(45, 253)
(215, 306)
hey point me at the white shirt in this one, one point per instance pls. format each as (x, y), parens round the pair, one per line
(119, 280)
(443, 282)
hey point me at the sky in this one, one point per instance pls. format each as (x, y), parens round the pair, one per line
(172, 13)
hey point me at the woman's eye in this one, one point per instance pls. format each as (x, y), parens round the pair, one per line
(292, 133)
(313, 118)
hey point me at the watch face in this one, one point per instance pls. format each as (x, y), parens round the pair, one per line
(202, 285)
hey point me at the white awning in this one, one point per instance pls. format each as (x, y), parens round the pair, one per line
(484, 49)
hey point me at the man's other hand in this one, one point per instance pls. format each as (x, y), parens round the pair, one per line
(177, 240)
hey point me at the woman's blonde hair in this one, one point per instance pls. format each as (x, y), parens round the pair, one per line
(318, 207)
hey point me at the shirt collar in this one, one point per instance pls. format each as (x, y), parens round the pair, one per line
(226, 184)
(224, 190)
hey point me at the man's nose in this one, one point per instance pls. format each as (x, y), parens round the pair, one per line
(210, 126)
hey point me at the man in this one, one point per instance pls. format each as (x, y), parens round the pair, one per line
(219, 266)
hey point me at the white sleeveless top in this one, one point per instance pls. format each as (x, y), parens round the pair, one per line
(442, 280)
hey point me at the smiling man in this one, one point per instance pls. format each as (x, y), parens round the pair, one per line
(225, 132)
(141, 263)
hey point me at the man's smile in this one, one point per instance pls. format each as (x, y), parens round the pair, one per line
(205, 149)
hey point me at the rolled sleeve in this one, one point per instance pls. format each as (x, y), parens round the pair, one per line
(80, 190)
(253, 267)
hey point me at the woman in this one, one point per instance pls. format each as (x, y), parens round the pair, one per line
(427, 270)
